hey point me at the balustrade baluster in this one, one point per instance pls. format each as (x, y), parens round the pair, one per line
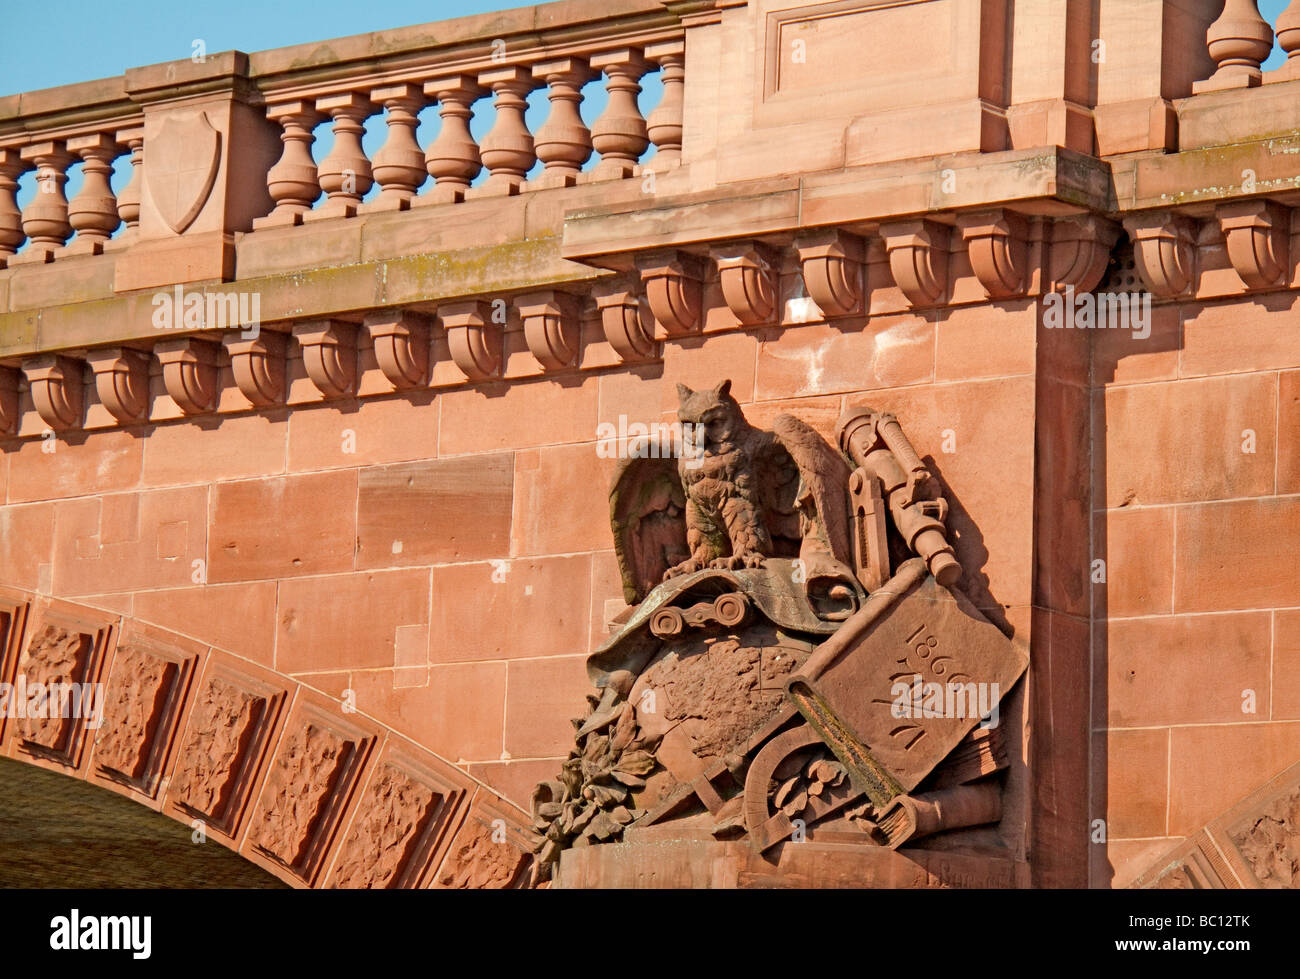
(12, 166)
(1238, 41)
(507, 150)
(619, 135)
(128, 202)
(45, 219)
(1288, 36)
(664, 126)
(453, 158)
(93, 212)
(345, 174)
(563, 142)
(399, 164)
(292, 182)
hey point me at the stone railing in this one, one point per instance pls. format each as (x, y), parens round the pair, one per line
(195, 135)
(775, 205)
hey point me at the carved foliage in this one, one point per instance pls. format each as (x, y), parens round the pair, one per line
(56, 655)
(228, 723)
(391, 834)
(483, 855)
(1270, 843)
(142, 709)
(300, 789)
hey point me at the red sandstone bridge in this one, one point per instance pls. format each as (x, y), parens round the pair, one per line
(299, 453)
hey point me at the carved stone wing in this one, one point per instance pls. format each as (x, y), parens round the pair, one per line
(823, 478)
(647, 514)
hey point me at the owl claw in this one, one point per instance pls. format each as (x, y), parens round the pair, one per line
(750, 559)
(686, 567)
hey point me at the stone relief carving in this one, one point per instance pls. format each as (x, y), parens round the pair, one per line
(388, 831)
(133, 711)
(797, 661)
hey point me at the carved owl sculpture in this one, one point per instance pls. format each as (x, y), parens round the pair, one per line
(728, 496)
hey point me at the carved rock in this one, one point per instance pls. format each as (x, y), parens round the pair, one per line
(1257, 233)
(473, 337)
(918, 258)
(480, 859)
(749, 274)
(834, 264)
(258, 366)
(1080, 251)
(329, 354)
(625, 317)
(122, 382)
(1164, 250)
(997, 243)
(401, 342)
(551, 327)
(191, 373)
(387, 834)
(139, 694)
(55, 655)
(307, 776)
(674, 287)
(224, 727)
(56, 387)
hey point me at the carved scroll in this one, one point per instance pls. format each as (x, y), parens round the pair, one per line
(329, 354)
(674, 287)
(1164, 249)
(191, 373)
(918, 258)
(55, 383)
(626, 319)
(833, 270)
(1257, 233)
(473, 337)
(550, 321)
(122, 382)
(258, 366)
(401, 341)
(748, 272)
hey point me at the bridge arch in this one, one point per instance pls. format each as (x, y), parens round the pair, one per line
(290, 778)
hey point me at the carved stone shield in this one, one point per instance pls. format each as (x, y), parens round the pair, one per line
(181, 166)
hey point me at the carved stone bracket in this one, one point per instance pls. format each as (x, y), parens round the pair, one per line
(10, 411)
(191, 373)
(833, 271)
(749, 272)
(674, 287)
(918, 258)
(401, 340)
(625, 318)
(997, 243)
(1257, 234)
(122, 382)
(1164, 250)
(1080, 251)
(550, 321)
(56, 389)
(474, 340)
(258, 366)
(329, 354)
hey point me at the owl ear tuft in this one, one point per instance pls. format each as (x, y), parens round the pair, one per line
(683, 392)
(723, 389)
